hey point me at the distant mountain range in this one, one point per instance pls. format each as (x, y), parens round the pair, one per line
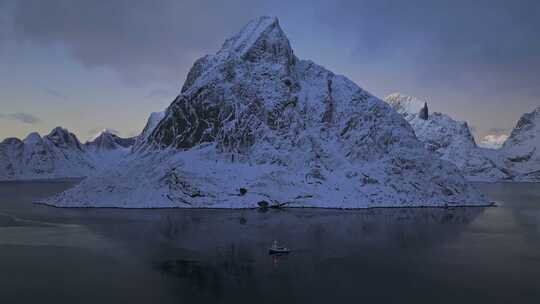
(452, 140)
(59, 155)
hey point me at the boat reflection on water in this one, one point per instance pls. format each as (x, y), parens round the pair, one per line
(278, 257)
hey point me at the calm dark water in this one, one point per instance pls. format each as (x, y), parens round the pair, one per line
(427, 255)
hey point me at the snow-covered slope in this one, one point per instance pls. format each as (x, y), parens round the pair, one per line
(151, 124)
(450, 139)
(405, 105)
(57, 155)
(521, 151)
(255, 125)
(108, 148)
(107, 141)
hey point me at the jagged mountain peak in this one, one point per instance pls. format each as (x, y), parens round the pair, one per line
(261, 39)
(521, 151)
(61, 137)
(261, 43)
(424, 112)
(107, 140)
(405, 104)
(33, 138)
(528, 122)
(151, 124)
(103, 132)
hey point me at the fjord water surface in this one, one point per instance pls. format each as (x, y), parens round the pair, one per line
(417, 255)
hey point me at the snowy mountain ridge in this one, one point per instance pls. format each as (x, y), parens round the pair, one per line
(453, 141)
(59, 155)
(56, 155)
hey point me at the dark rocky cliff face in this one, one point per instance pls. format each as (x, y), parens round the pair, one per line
(424, 112)
(62, 138)
(232, 96)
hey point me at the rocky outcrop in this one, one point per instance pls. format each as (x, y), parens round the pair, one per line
(424, 112)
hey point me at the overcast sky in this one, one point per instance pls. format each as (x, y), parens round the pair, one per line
(90, 65)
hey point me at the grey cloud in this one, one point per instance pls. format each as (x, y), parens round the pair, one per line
(21, 117)
(466, 55)
(443, 36)
(56, 94)
(143, 40)
(443, 40)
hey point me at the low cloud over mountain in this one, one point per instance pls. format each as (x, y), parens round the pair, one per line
(21, 117)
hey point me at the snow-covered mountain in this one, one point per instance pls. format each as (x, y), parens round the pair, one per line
(450, 139)
(521, 151)
(255, 125)
(108, 148)
(57, 155)
(107, 141)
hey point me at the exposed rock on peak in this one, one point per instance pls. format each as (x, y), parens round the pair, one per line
(424, 112)
(63, 138)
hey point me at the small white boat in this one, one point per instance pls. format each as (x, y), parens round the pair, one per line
(275, 249)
